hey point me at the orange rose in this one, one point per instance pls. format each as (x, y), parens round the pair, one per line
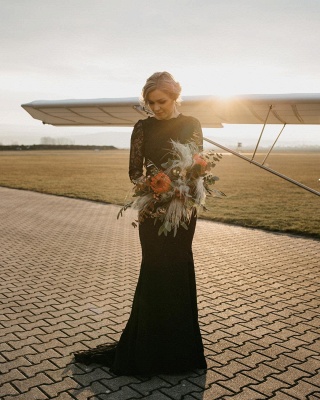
(160, 183)
(200, 162)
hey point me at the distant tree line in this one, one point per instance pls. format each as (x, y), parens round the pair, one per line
(14, 147)
(50, 143)
(58, 141)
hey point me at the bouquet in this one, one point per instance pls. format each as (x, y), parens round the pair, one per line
(170, 194)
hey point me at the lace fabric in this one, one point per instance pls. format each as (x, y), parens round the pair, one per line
(197, 136)
(136, 152)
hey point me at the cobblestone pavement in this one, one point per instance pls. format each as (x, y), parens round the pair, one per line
(68, 273)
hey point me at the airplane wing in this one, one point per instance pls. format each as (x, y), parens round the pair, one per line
(211, 111)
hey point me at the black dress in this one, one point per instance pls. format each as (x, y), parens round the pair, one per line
(162, 334)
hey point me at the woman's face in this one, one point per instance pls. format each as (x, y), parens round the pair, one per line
(161, 104)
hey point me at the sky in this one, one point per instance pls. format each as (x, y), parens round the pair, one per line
(81, 49)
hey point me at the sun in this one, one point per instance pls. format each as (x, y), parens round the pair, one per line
(228, 80)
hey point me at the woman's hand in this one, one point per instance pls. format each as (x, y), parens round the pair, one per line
(140, 182)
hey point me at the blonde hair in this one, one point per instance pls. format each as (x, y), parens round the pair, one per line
(161, 81)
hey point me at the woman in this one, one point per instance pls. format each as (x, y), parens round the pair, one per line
(162, 334)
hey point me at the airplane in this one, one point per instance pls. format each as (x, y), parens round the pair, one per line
(211, 111)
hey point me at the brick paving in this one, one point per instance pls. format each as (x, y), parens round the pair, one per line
(68, 274)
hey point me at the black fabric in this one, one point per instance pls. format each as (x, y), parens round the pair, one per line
(162, 334)
(150, 140)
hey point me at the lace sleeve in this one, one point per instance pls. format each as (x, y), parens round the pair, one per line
(136, 152)
(197, 136)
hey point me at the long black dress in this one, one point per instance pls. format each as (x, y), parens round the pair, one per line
(162, 334)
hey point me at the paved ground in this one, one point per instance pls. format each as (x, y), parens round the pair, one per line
(68, 272)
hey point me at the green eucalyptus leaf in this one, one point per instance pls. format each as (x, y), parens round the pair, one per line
(184, 225)
(167, 226)
(161, 229)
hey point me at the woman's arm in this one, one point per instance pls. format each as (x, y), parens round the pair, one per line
(136, 153)
(197, 135)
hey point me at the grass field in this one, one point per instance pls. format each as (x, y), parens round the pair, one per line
(255, 198)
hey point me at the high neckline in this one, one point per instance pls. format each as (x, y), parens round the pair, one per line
(167, 120)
